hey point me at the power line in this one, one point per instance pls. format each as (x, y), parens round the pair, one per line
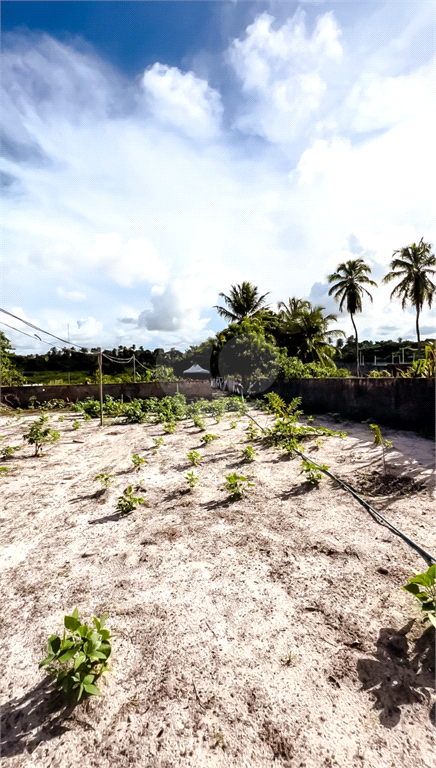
(64, 341)
(24, 333)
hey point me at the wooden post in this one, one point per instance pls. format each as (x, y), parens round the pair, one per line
(100, 371)
(134, 368)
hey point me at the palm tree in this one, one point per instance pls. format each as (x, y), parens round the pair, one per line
(312, 333)
(412, 266)
(348, 280)
(292, 309)
(244, 301)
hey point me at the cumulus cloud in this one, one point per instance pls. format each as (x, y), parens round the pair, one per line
(182, 100)
(282, 72)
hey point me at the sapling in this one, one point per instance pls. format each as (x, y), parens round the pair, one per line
(80, 657)
(233, 425)
(61, 418)
(379, 440)
(249, 453)
(427, 595)
(105, 478)
(312, 472)
(252, 432)
(137, 461)
(207, 438)
(128, 502)
(192, 479)
(195, 458)
(37, 435)
(3, 470)
(76, 424)
(236, 484)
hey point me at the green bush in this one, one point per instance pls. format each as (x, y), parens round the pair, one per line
(128, 502)
(194, 457)
(137, 461)
(249, 453)
(38, 435)
(427, 595)
(236, 484)
(80, 658)
(312, 472)
(105, 478)
(207, 438)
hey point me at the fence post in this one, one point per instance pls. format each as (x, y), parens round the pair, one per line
(100, 372)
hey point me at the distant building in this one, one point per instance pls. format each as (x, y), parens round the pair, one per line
(196, 372)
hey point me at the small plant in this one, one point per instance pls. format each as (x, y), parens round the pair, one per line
(76, 424)
(191, 479)
(87, 417)
(158, 441)
(312, 472)
(252, 432)
(38, 435)
(233, 424)
(137, 461)
(318, 443)
(198, 422)
(379, 440)
(249, 453)
(32, 403)
(170, 427)
(61, 417)
(236, 484)
(427, 595)
(8, 450)
(128, 502)
(310, 419)
(105, 478)
(3, 470)
(195, 458)
(80, 658)
(207, 438)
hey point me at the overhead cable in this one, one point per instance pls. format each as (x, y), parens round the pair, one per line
(24, 332)
(36, 327)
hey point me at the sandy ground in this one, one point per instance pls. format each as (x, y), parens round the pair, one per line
(271, 631)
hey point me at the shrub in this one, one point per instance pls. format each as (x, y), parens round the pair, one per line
(170, 427)
(427, 595)
(252, 432)
(233, 425)
(191, 479)
(38, 436)
(207, 438)
(134, 413)
(80, 658)
(249, 453)
(236, 484)
(194, 457)
(105, 478)
(198, 422)
(128, 502)
(76, 424)
(91, 407)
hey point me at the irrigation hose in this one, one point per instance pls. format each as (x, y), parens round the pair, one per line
(429, 559)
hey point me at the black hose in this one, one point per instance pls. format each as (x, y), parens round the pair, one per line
(429, 559)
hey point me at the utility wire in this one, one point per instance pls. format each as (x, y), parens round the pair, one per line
(36, 328)
(24, 333)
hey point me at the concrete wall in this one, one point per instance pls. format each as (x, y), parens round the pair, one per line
(399, 403)
(19, 397)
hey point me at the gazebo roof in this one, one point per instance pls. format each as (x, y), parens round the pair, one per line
(196, 369)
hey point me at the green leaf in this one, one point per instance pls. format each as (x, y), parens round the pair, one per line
(79, 660)
(75, 613)
(67, 655)
(98, 655)
(432, 618)
(88, 679)
(97, 623)
(92, 689)
(46, 661)
(72, 623)
(413, 588)
(81, 688)
(53, 644)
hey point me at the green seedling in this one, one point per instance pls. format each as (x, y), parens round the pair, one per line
(207, 438)
(318, 443)
(249, 453)
(76, 424)
(128, 502)
(158, 441)
(39, 435)
(312, 471)
(427, 595)
(236, 485)
(3, 470)
(290, 448)
(199, 422)
(310, 419)
(137, 461)
(61, 418)
(170, 427)
(87, 417)
(379, 440)
(80, 657)
(105, 478)
(252, 432)
(195, 458)
(233, 425)
(8, 450)
(191, 479)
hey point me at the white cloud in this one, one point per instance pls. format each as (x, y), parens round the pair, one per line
(183, 100)
(283, 73)
(70, 295)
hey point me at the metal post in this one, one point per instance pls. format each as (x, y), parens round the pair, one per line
(134, 368)
(100, 371)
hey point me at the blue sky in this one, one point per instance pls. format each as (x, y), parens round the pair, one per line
(154, 153)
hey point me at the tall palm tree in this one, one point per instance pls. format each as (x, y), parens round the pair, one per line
(412, 266)
(291, 310)
(348, 288)
(313, 335)
(243, 301)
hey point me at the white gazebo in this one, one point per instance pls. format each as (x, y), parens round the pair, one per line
(196, 372)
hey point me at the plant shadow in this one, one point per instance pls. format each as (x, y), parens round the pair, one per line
(35, 717)
(298, 490)
(107, 519)
(96, 495)
(396, 675)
